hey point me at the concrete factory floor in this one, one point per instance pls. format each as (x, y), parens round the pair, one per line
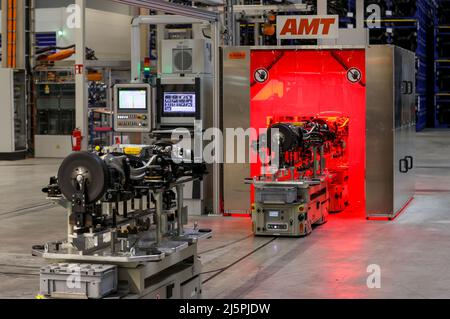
(412, 251)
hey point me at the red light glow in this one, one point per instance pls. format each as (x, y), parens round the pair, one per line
(312, 83)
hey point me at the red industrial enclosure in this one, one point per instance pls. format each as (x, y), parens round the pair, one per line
(290, 84)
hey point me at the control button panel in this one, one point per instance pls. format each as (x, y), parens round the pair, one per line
(133, 121)
(277, 227)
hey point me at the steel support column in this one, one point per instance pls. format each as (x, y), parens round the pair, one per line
(81, 113)
(215, 28)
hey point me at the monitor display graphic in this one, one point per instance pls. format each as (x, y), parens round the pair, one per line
(181, 103)
(132, 99)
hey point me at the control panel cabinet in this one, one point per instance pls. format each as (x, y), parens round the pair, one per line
(132, 108)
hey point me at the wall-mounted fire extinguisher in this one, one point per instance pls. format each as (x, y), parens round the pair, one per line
(77, 138)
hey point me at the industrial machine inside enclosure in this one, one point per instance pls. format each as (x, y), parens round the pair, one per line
(370, 164)
(310, 180)
(318, 84)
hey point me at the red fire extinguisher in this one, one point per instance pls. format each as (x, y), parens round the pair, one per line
(76, 140)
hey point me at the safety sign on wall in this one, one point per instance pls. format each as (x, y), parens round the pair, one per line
(79, 68)
(261, 75)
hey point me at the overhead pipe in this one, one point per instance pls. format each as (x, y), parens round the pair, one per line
(14, 32)
(8, 32)
(160, 5)
(11, 33)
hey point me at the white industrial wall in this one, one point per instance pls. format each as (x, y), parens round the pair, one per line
(108, 33)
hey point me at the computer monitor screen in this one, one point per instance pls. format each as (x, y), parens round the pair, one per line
(132, 99)
(180, 103)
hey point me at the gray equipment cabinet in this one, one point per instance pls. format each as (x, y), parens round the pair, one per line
(236, 113)
(13, 120)
(391, 101)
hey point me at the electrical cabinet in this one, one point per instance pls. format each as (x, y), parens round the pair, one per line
(391, 127)
(55, 102)
(13, 122)
(55, 116)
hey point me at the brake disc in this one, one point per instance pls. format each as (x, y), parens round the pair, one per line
(93, 170)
